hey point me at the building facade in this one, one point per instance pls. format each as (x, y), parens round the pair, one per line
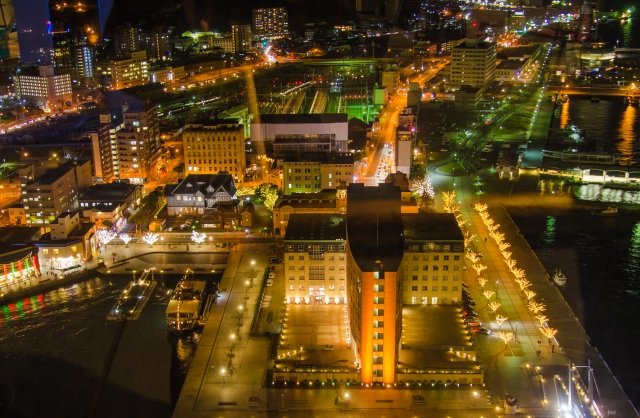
(272, 22)
(44, 88)
(315, 259)
(433, 259)
(129, 72)
(138, 142)
(473, 63)
(55, 192)
(198, 194)
(316, 172)
(211, 149)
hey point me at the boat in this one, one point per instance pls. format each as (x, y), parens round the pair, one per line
(559, 278)
(183, 309)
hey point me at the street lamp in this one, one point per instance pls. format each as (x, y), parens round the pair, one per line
(253, 270)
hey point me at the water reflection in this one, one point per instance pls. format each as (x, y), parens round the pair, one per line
(564, 115)
(627, 135)
(549, 237)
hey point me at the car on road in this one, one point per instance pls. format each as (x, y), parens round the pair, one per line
(272, 275)
(269, 282)
(473, 323)
(481, 330)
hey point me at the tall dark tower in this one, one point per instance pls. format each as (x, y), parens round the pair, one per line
(586, 21)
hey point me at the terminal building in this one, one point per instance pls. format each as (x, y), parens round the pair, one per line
(394, 274)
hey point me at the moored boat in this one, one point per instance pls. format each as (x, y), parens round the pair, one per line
(183, 309)
(559, 278)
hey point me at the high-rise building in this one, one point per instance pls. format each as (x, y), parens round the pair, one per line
(126, 40)
(156, 44)
(473, 63)
(211, 149)
(55, 192)
(62, 56)
(586, 21)
(129, 72)
(33, 24)
(138, 142)
(374, 278)
(102, 151)
(241, 37)
(270, 22)
(84, 56)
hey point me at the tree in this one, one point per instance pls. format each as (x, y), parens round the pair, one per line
(268, 193)
(150, 206)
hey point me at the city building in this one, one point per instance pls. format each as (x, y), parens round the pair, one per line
(315, 259)
(54, 192)
(199, 194)
(433, 259)
(473, 63)
(109, 205)
(126, 40)
(33, 24)
(156, 43)
(286, 133)
(103, 151)
(69, 245)
(215, 148)
(406, 133)
(62, 52)
(128, 72)
(19, 267)
(324, 202)
(84, 55)
(167, 75)
(138, 142)
(270, 22)
(374, 278)
(43, 88)
(311, 173)
(241, 38)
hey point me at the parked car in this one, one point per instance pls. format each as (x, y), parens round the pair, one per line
(481, 330)
(272, 275)
(474, 323)
(269, 282)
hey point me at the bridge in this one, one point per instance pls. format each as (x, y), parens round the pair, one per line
(596, 91)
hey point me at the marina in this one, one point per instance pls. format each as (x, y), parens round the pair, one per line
(185, 307)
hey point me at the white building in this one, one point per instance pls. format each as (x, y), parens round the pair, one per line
(44, 88)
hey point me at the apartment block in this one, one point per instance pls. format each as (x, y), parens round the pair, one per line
(473, 63)
(215, 148)
(272, 22)
(138, 142)
(310, 173)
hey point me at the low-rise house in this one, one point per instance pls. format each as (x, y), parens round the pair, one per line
(199, 194)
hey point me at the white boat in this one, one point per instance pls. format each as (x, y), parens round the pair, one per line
(183, 309)
(559, 278)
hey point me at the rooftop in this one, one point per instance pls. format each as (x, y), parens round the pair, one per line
(111, 191)
(431, 227)
(303, 118)
(322, 199)
(201, 182)
(319, 227)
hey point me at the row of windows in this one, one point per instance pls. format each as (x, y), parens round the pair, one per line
(302, 277)
(434, 278)
(222, 161)
(435, 288)
(292, 287)
(330, 268)
(320, 247)
(433, 268)
(329, 258)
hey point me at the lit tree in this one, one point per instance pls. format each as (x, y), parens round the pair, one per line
(468, 238)
(448, 201)
(511, 263)
(150, 238)
(126, 238)
(530, 294)
(488, 294)
(506, 255)
(494, 306)
(503, 246)
(198, 237)
(524, 283)
(542, 319)
(488, 222)
(482, 281)
(269, 193)
(480, 207)
(423, 188)
(493, 228)
(497, 236)
(518, 273)
(479, 268)
(472, 256)
(505, 336)
(536, 307)
(548, 332)
(500, 320)
(105, 236)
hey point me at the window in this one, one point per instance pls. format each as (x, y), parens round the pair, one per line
(436, 257)
(435, 268)
(415, 277)
(456, 257)
(378, 312)
(434, 288)
(425, 287)
(425, 267)
(445, 288)
(445, 268)
(414, 288)
(445, 258)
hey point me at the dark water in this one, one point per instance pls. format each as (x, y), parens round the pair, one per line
(57, 347)
(601, 259)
